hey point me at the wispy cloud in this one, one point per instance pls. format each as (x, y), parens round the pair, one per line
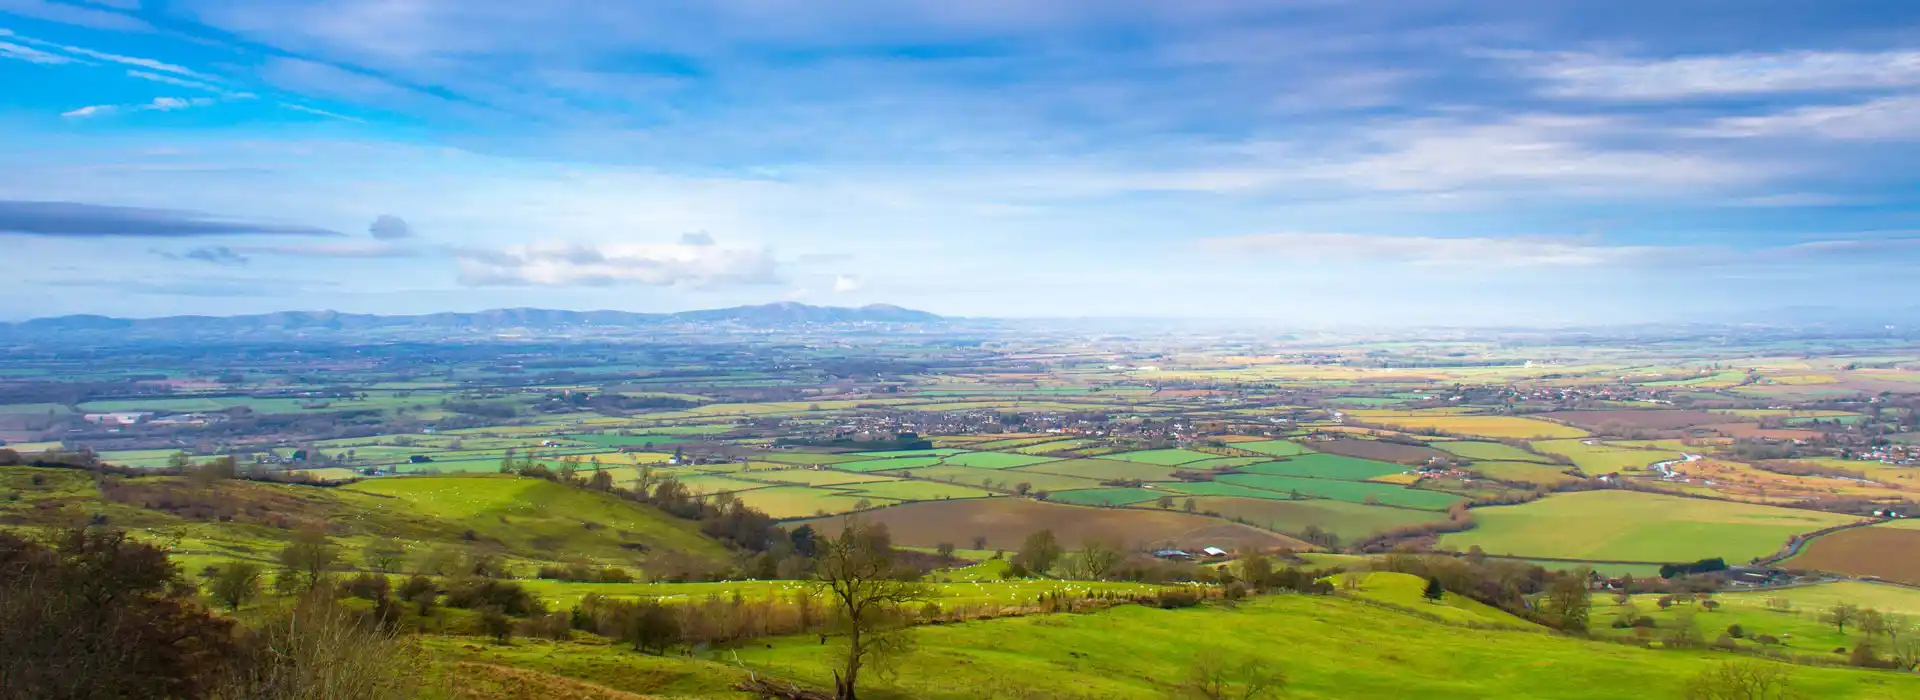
(682, 264)
(78, 15)
(30, 54)
(78, 220)
(321, 112)
(90, 111)
(158, 104)
(1608, 77)
(1466, 251)
(182, 82)
(1886, 119)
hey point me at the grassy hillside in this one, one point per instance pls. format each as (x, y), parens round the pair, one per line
(522, 518)
(1328, 647)
(533, 517)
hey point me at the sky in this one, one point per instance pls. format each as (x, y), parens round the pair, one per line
(1416, 162)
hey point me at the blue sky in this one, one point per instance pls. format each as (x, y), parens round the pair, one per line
(1313, 162)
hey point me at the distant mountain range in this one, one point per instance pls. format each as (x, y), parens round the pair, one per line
(764, 315)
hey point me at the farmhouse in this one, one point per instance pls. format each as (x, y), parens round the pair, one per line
(1755, 576)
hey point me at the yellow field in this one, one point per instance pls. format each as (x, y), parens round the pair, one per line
(1480, 426)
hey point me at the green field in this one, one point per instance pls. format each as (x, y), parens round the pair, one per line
(1326, 466)
(1408, 590)
(1162, 457)
(1277, 448)
(1106, 497)
(910, 490)
(1636, 527)
(1218, 488)
(1604, 459)
(1222, 463)
(1800, 626)
(805, 501)
(533, 514)
(1351, 491)
(995, 460)
(878, 465)
(1104, 469)
(808, 477)
(935, 452)
(1382, 654)
(973, 476)
(1350, 521)
(1523, 472)
(1492, 451)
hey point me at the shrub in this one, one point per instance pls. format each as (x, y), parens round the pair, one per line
(367, 586)
(503, 597)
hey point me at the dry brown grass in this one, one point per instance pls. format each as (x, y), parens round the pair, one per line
(476, 681)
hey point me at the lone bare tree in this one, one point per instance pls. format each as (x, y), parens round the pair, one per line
(1743, 680)
(1216, 675)
(870, 592)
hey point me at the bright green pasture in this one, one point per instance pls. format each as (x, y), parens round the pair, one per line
(1326, 466)
(804, 501)
(1004, 478)
(995, 460)
(1218, 488)
(1493, 451)
(1604, 459)
(878, 465)
(934, 452)
(1277, 448)
(1103, 469)
(1523, 472)
(913, 490)
(1221, 463)
(1162, 457)
(1352, 491)
(809, 477)
(1139, 652)
(1638, 527)
(1106, 497)
(1349, 521)
(1409, 590)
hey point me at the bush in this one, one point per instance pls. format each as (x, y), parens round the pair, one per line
(367, 586)
(95, 614)
(320, 649)
(1736, 631)
(1169, 600)
(503, 597)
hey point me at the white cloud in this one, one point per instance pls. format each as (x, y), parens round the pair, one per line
(1530, 151)
(845, 284)
(1886, 119)
(30, 54)
(147, 63)
(168, 104)
(182, 82)
(90, 111)
(1434, 250)
(322, 112)
(1605, 77)
(681, 264)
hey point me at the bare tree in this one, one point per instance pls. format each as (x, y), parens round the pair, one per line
(1217, 675)
(1743, 680)
(237, 583)
(1841, 615)
(870, 592)
(1097, 559)
(309, 556)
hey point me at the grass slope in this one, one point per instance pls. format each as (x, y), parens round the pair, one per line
(1635, 526)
